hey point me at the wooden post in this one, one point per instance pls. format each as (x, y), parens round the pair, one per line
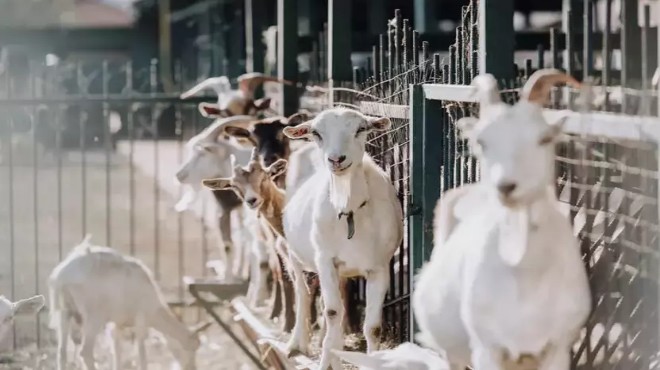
(339, 43)
(287, 54)
(425, 20)
(496, 38)
(254, 47)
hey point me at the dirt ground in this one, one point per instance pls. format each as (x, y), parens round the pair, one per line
(47, 209)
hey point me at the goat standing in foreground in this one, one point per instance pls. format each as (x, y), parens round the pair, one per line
(344, 221)
(234, 102)
(9, 310)
(94, 286)
(506, 281)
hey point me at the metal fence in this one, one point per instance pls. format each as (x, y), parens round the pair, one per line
(84, 149)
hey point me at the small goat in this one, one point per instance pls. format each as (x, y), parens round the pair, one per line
(506, 280)
(344, 221)
(406, 356)
(94, 286)
(9, 310)
(234, 102)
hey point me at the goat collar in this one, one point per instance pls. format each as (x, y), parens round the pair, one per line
(349, 220)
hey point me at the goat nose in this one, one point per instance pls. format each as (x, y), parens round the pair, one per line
(251, 201)
(337, 160)
(506, 188)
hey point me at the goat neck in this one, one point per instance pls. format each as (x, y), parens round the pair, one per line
(273, 205)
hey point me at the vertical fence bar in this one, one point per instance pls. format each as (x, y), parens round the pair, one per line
(405, 46)
(437, 72)
(416, 228)
(287, 52)
(178, 121)
(131, 157)
(375, 66)
(570, 47)
(496, 38)
(607, 52)
(35, 188)
(540, 52)
(83, 144)
(415, 48)
(153, 89)
(339, 41)
(646, 22)
(10, 201)
(587, 47)
(452, 65)
(107, 144)
(382, 56)
(528, 68)
(397, 37)
(630, 50)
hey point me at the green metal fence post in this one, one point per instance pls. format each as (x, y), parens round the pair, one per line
(340, 68)
(254, 47)
(432, 163)
(416, 228)
(287, 54)
(496, 38)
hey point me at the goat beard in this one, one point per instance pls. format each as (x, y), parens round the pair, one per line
(340, 191)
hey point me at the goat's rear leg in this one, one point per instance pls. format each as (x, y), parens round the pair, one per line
(91, 330)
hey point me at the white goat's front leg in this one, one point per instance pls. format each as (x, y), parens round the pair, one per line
(377, 282)
(557, 358)
(484, 358)
(333, 312)
(91, 330)
(299, 342)
(224, 223)
(115, 336)
(141, 332)
(62, 339)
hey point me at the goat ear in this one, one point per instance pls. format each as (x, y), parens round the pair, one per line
(237, 132)
(296, 119)
(301, 131)
(261, 104)
(553, 132)
(29, 306)
(210, 110)
(218, 184)
(466, 125)
(360, 359)
(378, 123)
(277, 168)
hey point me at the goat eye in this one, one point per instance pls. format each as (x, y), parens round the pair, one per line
(481, 144)
(359, 131)
(316, 134)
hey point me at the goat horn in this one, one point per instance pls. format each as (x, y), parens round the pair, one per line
(255, 155)
(219, 125)
(248, 82)
(486, 89)
(537, 88)
(222, 84)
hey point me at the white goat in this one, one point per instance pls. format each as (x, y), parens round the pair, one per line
(209, 155)
(234, 102)
(406, 356)
(9, 310)
(344, 221)
(94, 286)
(506, 280)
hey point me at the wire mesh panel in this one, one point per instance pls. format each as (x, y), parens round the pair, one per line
(608, 187)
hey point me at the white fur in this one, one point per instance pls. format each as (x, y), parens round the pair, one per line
(9, 310)
(506, 278)
(318, 239)
(94, 286)
(406, 356)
